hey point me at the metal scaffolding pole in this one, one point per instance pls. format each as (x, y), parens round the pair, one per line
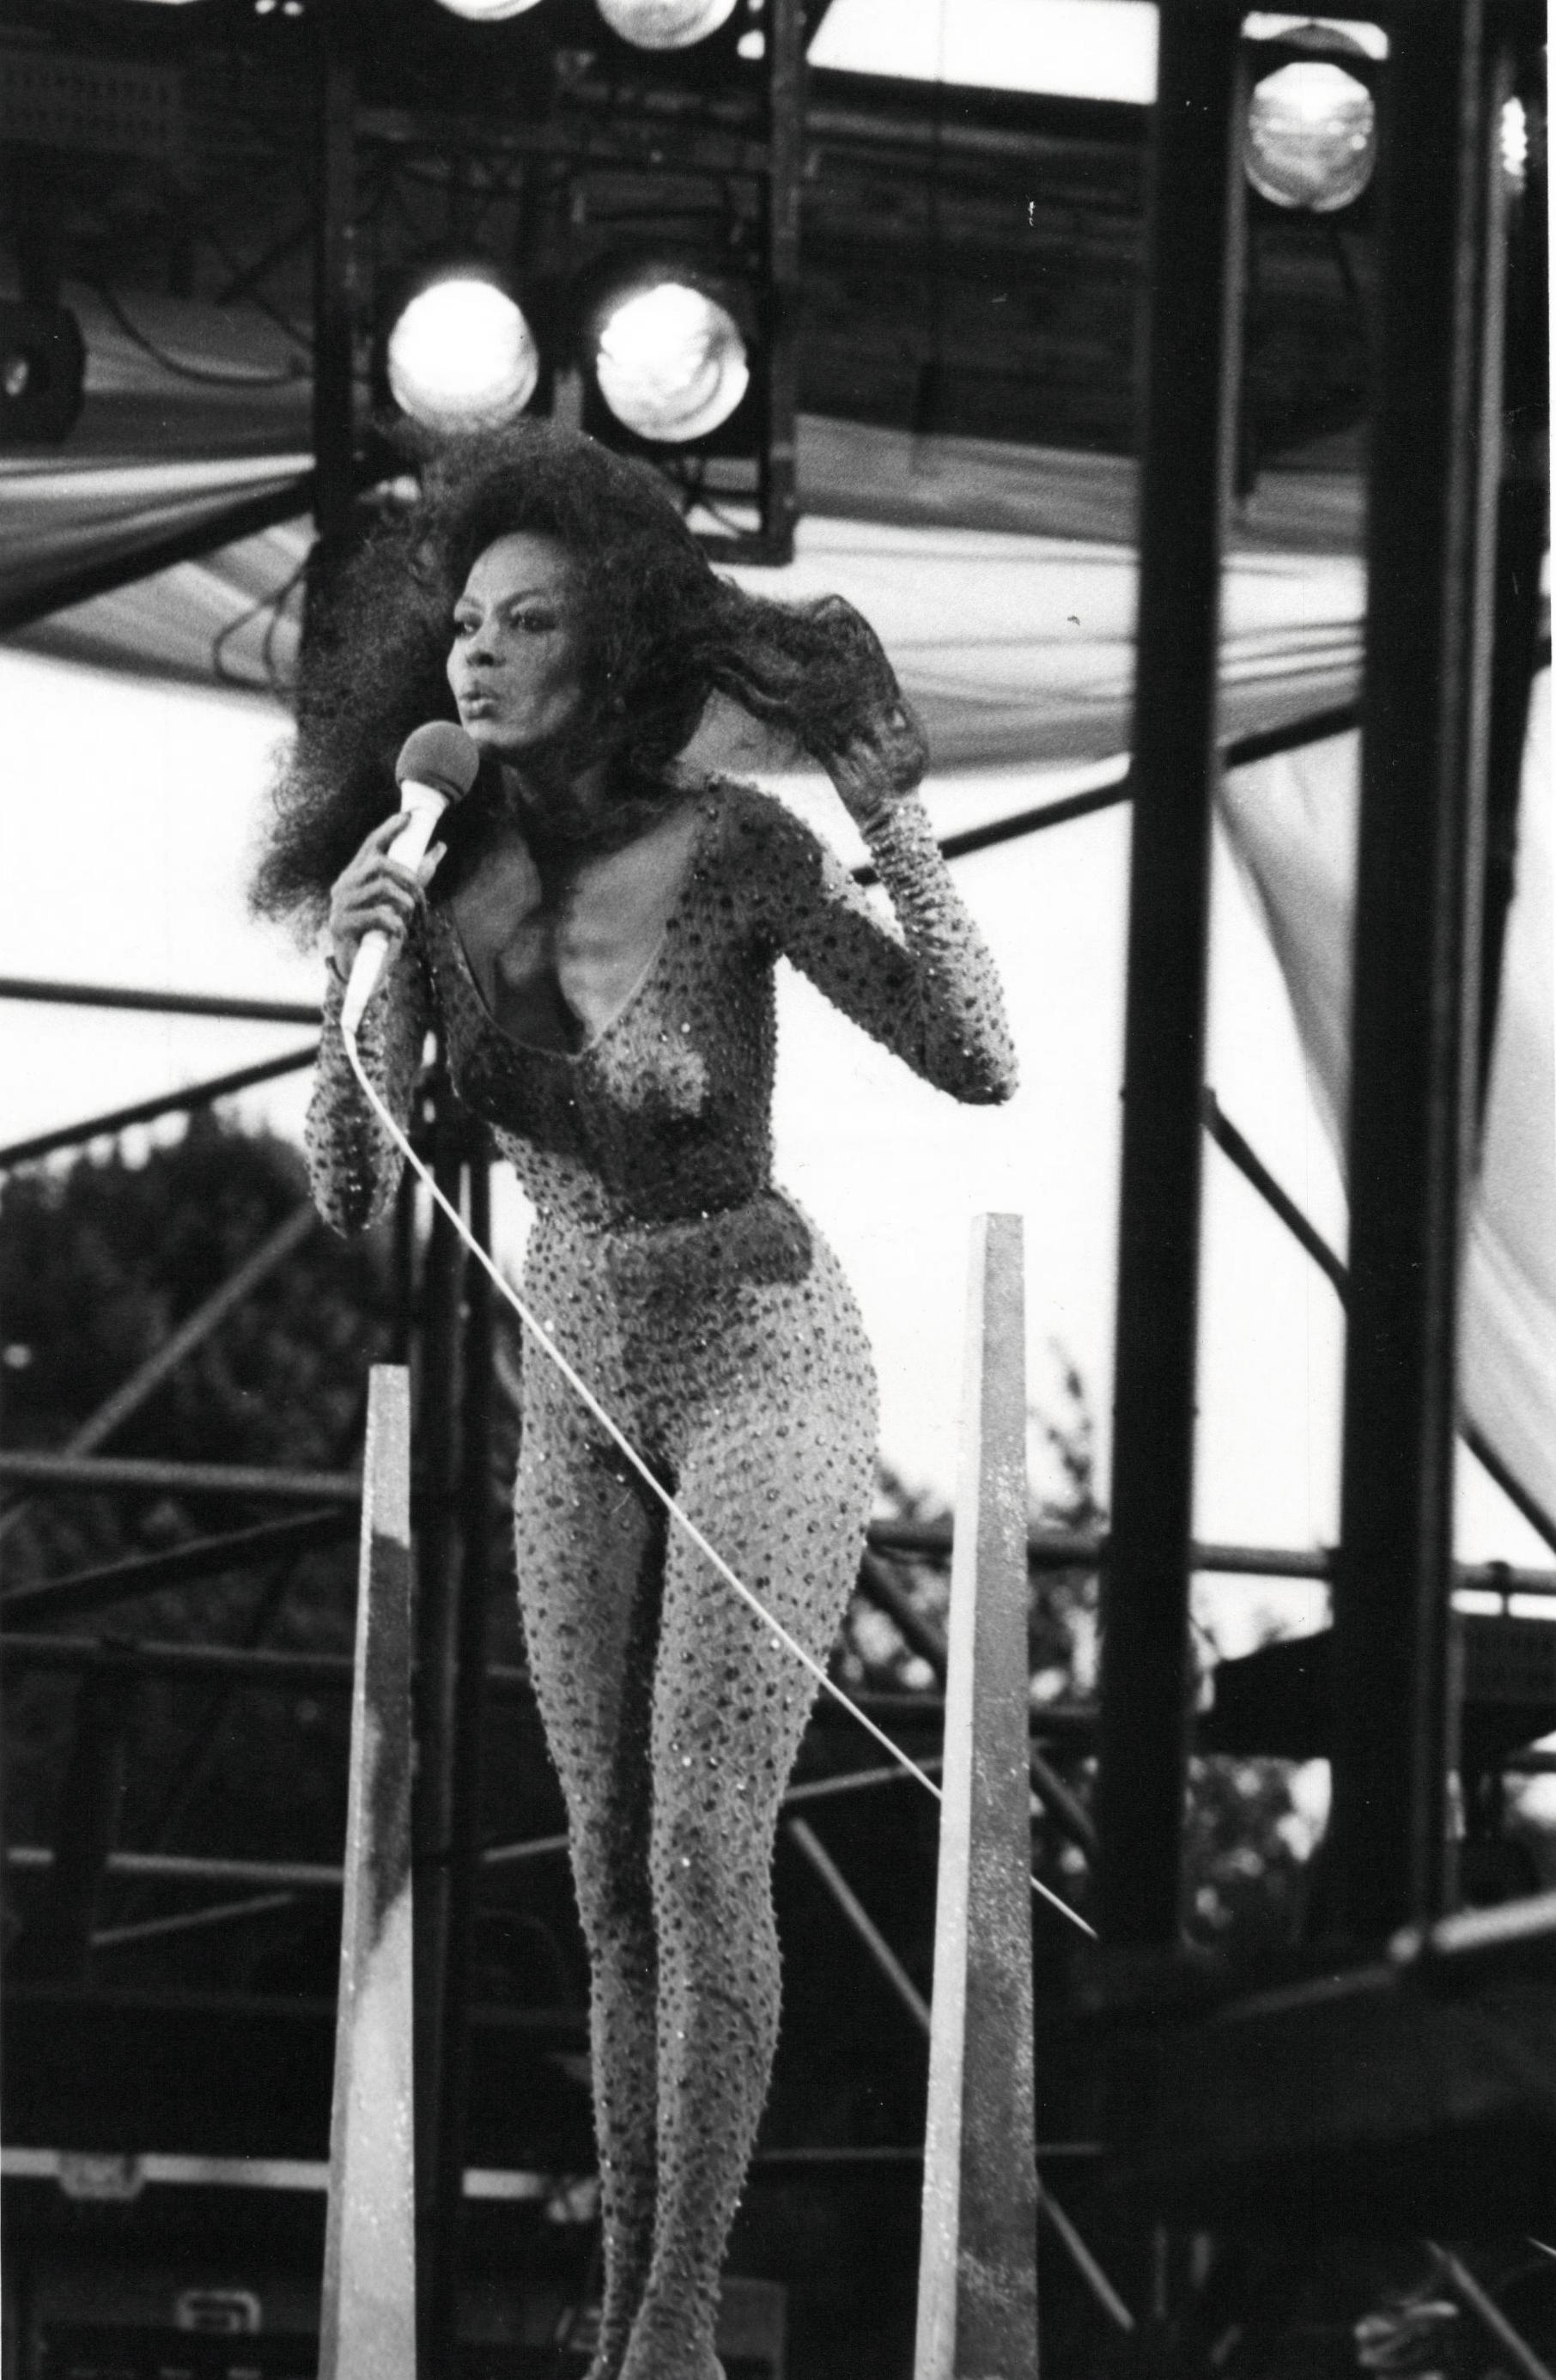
(1431, 539)
(463, 1632)
(1191, 358)
(335, 436)
(781, 211)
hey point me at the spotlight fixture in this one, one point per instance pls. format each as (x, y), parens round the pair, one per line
(42, 373)
(666, 24)
(460, 354)
(667, 358)
(1512, 141)
(487, 12)
(1312, 132)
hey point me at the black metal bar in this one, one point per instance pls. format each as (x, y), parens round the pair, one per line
(1538, 1517)
(1512, 2347)
(57, 1944)
(1024, 822)
(1188, 435)
(334, 276)
(252, 1666)
(160, 1004)
(191, 1921)
(206, 1558)
(28, 1467)
(924, 1638)
(1231, 1143)
(244, 517)
(184, 1867)
(195, 1095)
(781, 221)
(469, 1617)
(437, 1624)
(1522, 531)
(1436, 439)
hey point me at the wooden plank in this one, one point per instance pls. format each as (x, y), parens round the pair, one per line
(977, 2291)
(367, 2321)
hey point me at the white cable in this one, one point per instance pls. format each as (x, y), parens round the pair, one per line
(539, 1332)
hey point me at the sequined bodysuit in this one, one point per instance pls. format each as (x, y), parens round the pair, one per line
(715, 1324)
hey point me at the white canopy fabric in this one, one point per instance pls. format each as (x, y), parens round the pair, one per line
(1292, 821)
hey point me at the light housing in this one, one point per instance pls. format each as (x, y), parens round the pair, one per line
(487, 12)
(459, 353)
(664, 351)
(666, 24)
(1311, 142)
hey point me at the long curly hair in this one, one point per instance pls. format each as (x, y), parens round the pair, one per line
(662, 633)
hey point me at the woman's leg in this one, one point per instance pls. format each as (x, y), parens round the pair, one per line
(779, 1480)
(591, 1553)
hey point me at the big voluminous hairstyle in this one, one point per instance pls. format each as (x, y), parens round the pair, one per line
(662, 633)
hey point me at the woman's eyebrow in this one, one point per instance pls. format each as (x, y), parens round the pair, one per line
(505, 603)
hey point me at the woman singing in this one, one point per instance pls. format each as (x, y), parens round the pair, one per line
(597, 953)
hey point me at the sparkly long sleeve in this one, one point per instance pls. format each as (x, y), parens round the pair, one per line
(931, 994)
(353, 1165)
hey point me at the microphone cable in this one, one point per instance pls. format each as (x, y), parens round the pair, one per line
(538, 1331)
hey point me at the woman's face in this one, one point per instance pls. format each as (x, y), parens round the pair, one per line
(517, 663)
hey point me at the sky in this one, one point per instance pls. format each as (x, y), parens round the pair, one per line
(129, 823)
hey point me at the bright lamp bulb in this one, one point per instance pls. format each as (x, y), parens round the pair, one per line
(670, 362)
(1312, 137)
(666, 24)
(461, 357)
(487, 12)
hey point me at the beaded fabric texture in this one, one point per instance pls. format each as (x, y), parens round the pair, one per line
(714, 1323)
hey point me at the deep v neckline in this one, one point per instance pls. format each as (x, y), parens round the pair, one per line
(619, 1013)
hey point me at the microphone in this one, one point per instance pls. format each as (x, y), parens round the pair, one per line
(437, 765)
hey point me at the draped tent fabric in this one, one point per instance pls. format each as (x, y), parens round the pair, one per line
(1292, 824)
(1001, 578)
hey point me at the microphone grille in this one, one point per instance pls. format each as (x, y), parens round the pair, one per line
(439, 755)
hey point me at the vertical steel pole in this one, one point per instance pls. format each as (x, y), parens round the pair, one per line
(978, 2268)
(334, 275)
(437, 1567)
(786, 121)
(1523, 523)
(56, 1945)
(1191, 362)
(465, 1632)
(1419, 871)
(368, 2319)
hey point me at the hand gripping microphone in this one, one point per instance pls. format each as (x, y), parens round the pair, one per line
(437, 765)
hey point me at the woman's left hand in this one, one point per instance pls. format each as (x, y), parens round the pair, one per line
(883, 759)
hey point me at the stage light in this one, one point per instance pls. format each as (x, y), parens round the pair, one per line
(669, 360)
(1513, 141)
(1312, 135)
(461, 355)
(487, 12)
(666, 24)
(42, 373)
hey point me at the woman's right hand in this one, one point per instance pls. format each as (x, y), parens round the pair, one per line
(375, 893)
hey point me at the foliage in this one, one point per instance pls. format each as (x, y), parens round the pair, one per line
(98, 1264)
